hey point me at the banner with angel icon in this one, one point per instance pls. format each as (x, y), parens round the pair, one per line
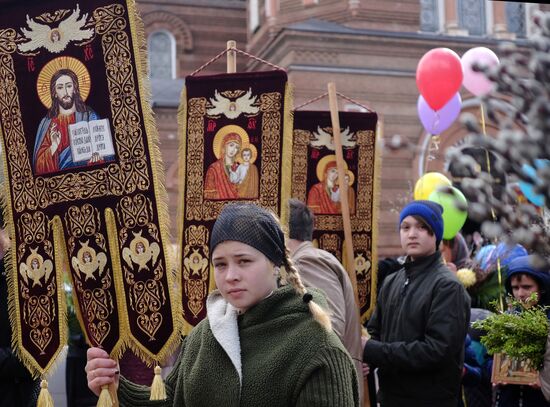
(236, 131)
(84, 191)
(315, 181)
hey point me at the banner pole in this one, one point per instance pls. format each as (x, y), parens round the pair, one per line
(348, 242)
(231, 57)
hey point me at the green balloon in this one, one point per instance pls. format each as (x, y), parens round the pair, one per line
(452, 200)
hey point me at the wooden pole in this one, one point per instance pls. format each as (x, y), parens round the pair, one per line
(350, 260)
(231, 57)
(348, 240)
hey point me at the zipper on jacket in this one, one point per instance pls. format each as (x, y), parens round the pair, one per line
(404, 290)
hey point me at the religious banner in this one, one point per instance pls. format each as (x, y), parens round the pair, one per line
(84, 189)
(237, 132)
(315, 181)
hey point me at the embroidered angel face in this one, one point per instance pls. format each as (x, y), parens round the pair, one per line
(36, 268)
(141, 252)
(88, 261)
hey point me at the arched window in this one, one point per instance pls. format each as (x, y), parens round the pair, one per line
(472, 16)
(429, 15)
(162, 55)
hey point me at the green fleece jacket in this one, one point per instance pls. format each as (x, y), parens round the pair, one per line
(275, 354)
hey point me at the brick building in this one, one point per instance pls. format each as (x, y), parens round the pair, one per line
(369, 48)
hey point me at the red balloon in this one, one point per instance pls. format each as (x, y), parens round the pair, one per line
(439, 76)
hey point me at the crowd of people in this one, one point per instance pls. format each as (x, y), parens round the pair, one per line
(283, 328)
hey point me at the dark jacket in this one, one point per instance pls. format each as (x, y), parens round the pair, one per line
(17, 387)
(417, 335)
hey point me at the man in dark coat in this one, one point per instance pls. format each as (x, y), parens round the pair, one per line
(421, 319)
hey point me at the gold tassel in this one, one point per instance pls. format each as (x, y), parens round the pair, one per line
(105, 399)
(158, 390)
(44, 398)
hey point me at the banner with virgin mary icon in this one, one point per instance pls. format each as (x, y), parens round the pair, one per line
(237, 131)
(315, 181)
(83, 181)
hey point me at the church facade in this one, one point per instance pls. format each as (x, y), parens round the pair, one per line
(368, 48)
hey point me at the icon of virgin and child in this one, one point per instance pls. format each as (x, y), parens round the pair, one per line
(324, 197)
(233, 175)
(63, 86)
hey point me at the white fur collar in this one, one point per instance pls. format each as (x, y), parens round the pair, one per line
(222, 317)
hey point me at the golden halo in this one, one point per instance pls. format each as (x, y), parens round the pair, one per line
(253, 153)
(323, 162)
(34, 255)
(85, 248)
(351, 176)
(138, 239)
(231, 128)
(45, 76)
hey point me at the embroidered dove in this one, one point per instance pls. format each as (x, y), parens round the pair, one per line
(55, 40)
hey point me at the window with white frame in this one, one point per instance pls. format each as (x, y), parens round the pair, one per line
(162, 55)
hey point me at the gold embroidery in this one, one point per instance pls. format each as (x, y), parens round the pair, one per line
(35, 267)
(87, 261)
(195, 268)
(299, 164)
(198, 208)
(141, 252)
(332, 243)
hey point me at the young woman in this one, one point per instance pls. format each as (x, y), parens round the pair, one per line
(261, 345)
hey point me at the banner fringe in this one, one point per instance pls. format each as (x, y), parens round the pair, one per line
(375, 210)
(286, 165)
(182, 167)
(140, 47)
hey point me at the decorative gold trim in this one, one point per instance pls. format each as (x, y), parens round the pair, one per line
(286, 160)
(161, 197)
(124, 333)
(375, 210)
(182, 166)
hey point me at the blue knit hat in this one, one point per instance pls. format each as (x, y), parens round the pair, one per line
(430, 212)
(523, 265)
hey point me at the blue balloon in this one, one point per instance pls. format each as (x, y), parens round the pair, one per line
(528, 188)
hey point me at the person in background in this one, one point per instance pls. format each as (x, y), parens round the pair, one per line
(421, 319)
(455, 252)
(17, 387)
(523, 280)
(261, 345)
(320, 269)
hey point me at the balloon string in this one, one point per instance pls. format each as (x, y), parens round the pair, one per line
(493, 215)
(435, 123)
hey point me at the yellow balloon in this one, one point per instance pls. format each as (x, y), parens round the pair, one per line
(428, 183)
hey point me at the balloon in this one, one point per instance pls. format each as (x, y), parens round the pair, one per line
(436, 122)
(428, 183)
(528, 188)
(453, 217)
(439, 76)
(477, 82)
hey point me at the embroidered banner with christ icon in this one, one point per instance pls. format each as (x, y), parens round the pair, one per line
(234, 148)
(84, 191)
(315, 181)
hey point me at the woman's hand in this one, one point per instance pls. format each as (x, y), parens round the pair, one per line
(100, 369)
